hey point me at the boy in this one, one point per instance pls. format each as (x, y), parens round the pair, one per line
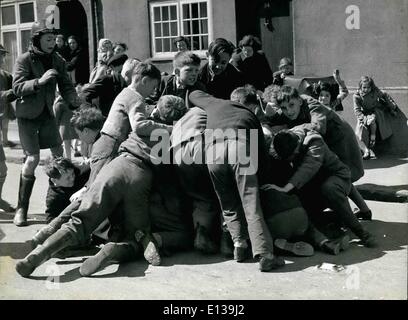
(121, 120)
(181, 43)
(218, 75)
(6, 96)
(126, 182)
(236, 183)
(107, 87)
(184, 80)
(87, 123)
(36, 75)
(285, 69)
(64, 180)
(318, 172)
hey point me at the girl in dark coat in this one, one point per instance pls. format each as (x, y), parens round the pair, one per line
(371, 106)
(77, 62)
(251, 61)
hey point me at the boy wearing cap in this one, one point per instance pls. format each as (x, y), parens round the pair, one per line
(36, 74)
(6, 96)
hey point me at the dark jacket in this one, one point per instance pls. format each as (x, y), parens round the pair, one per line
(32, 98)
(168, 85)
(315, 160)
(277, 78)
(255, 70)
(63, 52)
(57, 198)
(226, 114)
(6, 92)
(336, 132)
(221, 86)
(106, 88)
(77, 65)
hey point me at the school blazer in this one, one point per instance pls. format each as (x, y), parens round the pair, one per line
(32, 99)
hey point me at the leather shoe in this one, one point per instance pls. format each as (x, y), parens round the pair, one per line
(267, 263)
(301, 249)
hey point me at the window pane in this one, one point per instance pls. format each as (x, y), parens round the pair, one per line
(159, 47)
(186, 27)
(194, 9)
(165, 13)
(166, 29)
(157, 14)
(25, 40)
(203, 9)
(195, 44)
(10, 43)
(8, 16)
(174, 31)
(166, 45)
(157, 30)
(196, 26)
(26, 12)
(204, 41)
(173, 13)
(173, 45)
(204, 26)
(186, 11)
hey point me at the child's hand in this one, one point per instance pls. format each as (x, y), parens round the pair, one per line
(336, 75)
(47, 76)
(370, 119)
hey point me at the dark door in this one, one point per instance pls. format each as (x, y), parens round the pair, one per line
(73, 22)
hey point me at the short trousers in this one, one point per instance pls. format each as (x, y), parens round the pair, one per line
(39, 133)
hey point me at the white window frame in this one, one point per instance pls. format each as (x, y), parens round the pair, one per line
(17, 27)
(179, 3)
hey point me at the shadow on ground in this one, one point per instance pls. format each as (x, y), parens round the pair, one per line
(384, 162)
(391, 236)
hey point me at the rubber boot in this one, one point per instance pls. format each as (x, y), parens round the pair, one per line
(110, 252)
(24, 194)
(61, 239)
(4, 205)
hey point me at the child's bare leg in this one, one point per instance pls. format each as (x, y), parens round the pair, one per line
(67, 149)
(373, 129)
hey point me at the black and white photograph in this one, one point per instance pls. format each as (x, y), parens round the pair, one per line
(203, 153)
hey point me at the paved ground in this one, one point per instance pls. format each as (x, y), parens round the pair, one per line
(369, 273)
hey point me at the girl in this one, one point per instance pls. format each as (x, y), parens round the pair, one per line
(251, 61)
(370, 106)
(325, 93)
(77, 64)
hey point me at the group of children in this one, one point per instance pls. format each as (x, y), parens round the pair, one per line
(306, 155)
